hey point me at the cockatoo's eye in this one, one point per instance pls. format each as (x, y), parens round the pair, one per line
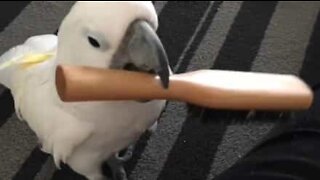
(94, 42)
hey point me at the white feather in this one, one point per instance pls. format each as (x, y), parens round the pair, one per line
(35, 44)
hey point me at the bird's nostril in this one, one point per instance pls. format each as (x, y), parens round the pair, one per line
(130, 67)
(133, 67)
(152, 71)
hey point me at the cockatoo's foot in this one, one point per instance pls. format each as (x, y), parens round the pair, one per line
(125, 154)
(114, 168)
(117, 171)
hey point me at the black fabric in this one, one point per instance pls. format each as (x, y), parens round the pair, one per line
(292, 153)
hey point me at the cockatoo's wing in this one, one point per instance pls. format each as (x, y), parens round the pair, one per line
(35, 49)
(26, 70)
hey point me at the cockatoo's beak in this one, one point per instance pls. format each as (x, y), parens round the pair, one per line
(143, 52)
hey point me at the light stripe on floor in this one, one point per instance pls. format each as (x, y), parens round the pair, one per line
(16, 141)
(192, 38)
(292, 24)
(159, 5)
(216, 35)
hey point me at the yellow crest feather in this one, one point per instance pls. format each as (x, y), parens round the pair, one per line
(28, 60)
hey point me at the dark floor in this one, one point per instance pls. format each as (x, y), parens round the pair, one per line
(191, 143)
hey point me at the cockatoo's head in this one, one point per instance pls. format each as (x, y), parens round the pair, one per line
(113, 35)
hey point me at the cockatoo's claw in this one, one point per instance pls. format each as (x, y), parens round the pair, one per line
(125, 154)
(58, 159)
(57, 162)
(117, 170)
(17, 109)
(40, 146)
(120, 174)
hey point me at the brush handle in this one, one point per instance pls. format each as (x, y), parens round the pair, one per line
(207, 88)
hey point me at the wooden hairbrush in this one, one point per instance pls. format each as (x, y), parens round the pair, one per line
(208, 88)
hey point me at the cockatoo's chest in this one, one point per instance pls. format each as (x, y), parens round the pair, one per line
(120, 121)
(115, 115)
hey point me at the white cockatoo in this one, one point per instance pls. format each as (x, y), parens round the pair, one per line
(83, 135)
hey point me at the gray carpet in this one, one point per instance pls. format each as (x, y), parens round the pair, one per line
(190, 143)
